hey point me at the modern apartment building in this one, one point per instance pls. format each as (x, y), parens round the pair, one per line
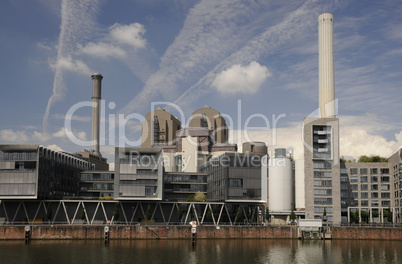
(36, 172)
(396, 177)
(322, 168)
(138, 174)
(96, 184)
(236, 177)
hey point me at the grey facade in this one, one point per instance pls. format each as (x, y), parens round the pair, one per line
(96, 184)
(35, 172)
(365, 186)
(138, 174)
(235, 177)
(396, 177)
(322, 168)
(179, 186)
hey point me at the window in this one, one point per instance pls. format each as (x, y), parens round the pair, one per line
(322, 200)
(319, 164)
(385, 203)
(364, 171)
(320, 210)
(364, 187)
(374, 187)
(354, 179)
(363, 179)
(364, 195)
(322, 192)
(374, 179)
(354, 186)
(373, 171)
(355, 195)
(384, 171)
(374, 203)
(322, 174)
(384, 178)
(236, 183)
(374, 195)
(364, 203)
(385, 187)
(344, 171)
(385, 195)
(327, 183)
(353, 171)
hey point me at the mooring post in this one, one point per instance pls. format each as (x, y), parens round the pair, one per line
(106, 232)
(27, 234)
(193, 232)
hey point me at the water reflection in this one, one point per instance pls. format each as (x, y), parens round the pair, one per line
(206, 251)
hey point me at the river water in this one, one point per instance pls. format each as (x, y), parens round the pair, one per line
(206, 251)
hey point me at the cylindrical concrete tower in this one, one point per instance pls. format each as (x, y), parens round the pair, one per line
(326, 79)
(95, 126)
(280, 182)
(299, 185)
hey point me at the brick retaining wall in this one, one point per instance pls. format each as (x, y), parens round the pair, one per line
(184, 232)
(146, 232)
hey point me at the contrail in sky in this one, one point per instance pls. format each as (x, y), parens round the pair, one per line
(77, 22)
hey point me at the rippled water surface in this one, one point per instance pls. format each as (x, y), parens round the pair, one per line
(206, 251)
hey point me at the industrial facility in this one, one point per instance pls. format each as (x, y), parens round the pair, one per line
(180, 173)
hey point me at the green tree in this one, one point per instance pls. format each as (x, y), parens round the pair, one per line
(49, 213)
(267, 215)
(355, 216)
(82, 213)
(239, 214)
(325, 212)
(148, 214)
(375, 213)
(377, 158)
(191, 198)
(208, 216)
(180, 212)
(388, 214)
(365, 216)
(116, 213)
(200, 197)
(292, 216)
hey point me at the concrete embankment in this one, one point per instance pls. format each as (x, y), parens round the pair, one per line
(145, 232)
(184, 232)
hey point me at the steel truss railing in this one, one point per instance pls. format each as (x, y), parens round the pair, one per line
(92, 212)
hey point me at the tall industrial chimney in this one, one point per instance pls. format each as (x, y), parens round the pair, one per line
(95, 126)
(326, 80)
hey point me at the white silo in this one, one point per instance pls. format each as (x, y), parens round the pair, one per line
(299, 185)
(280, 182)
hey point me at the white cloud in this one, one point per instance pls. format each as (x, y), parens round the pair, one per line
(72, 117)
(10, 136)
(62, 133)
(68, 63)
(359, 135)
(101, 50)
(129, 34)
(55, 148)
(239, 79)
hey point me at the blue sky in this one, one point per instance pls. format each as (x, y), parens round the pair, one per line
(192, 53)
